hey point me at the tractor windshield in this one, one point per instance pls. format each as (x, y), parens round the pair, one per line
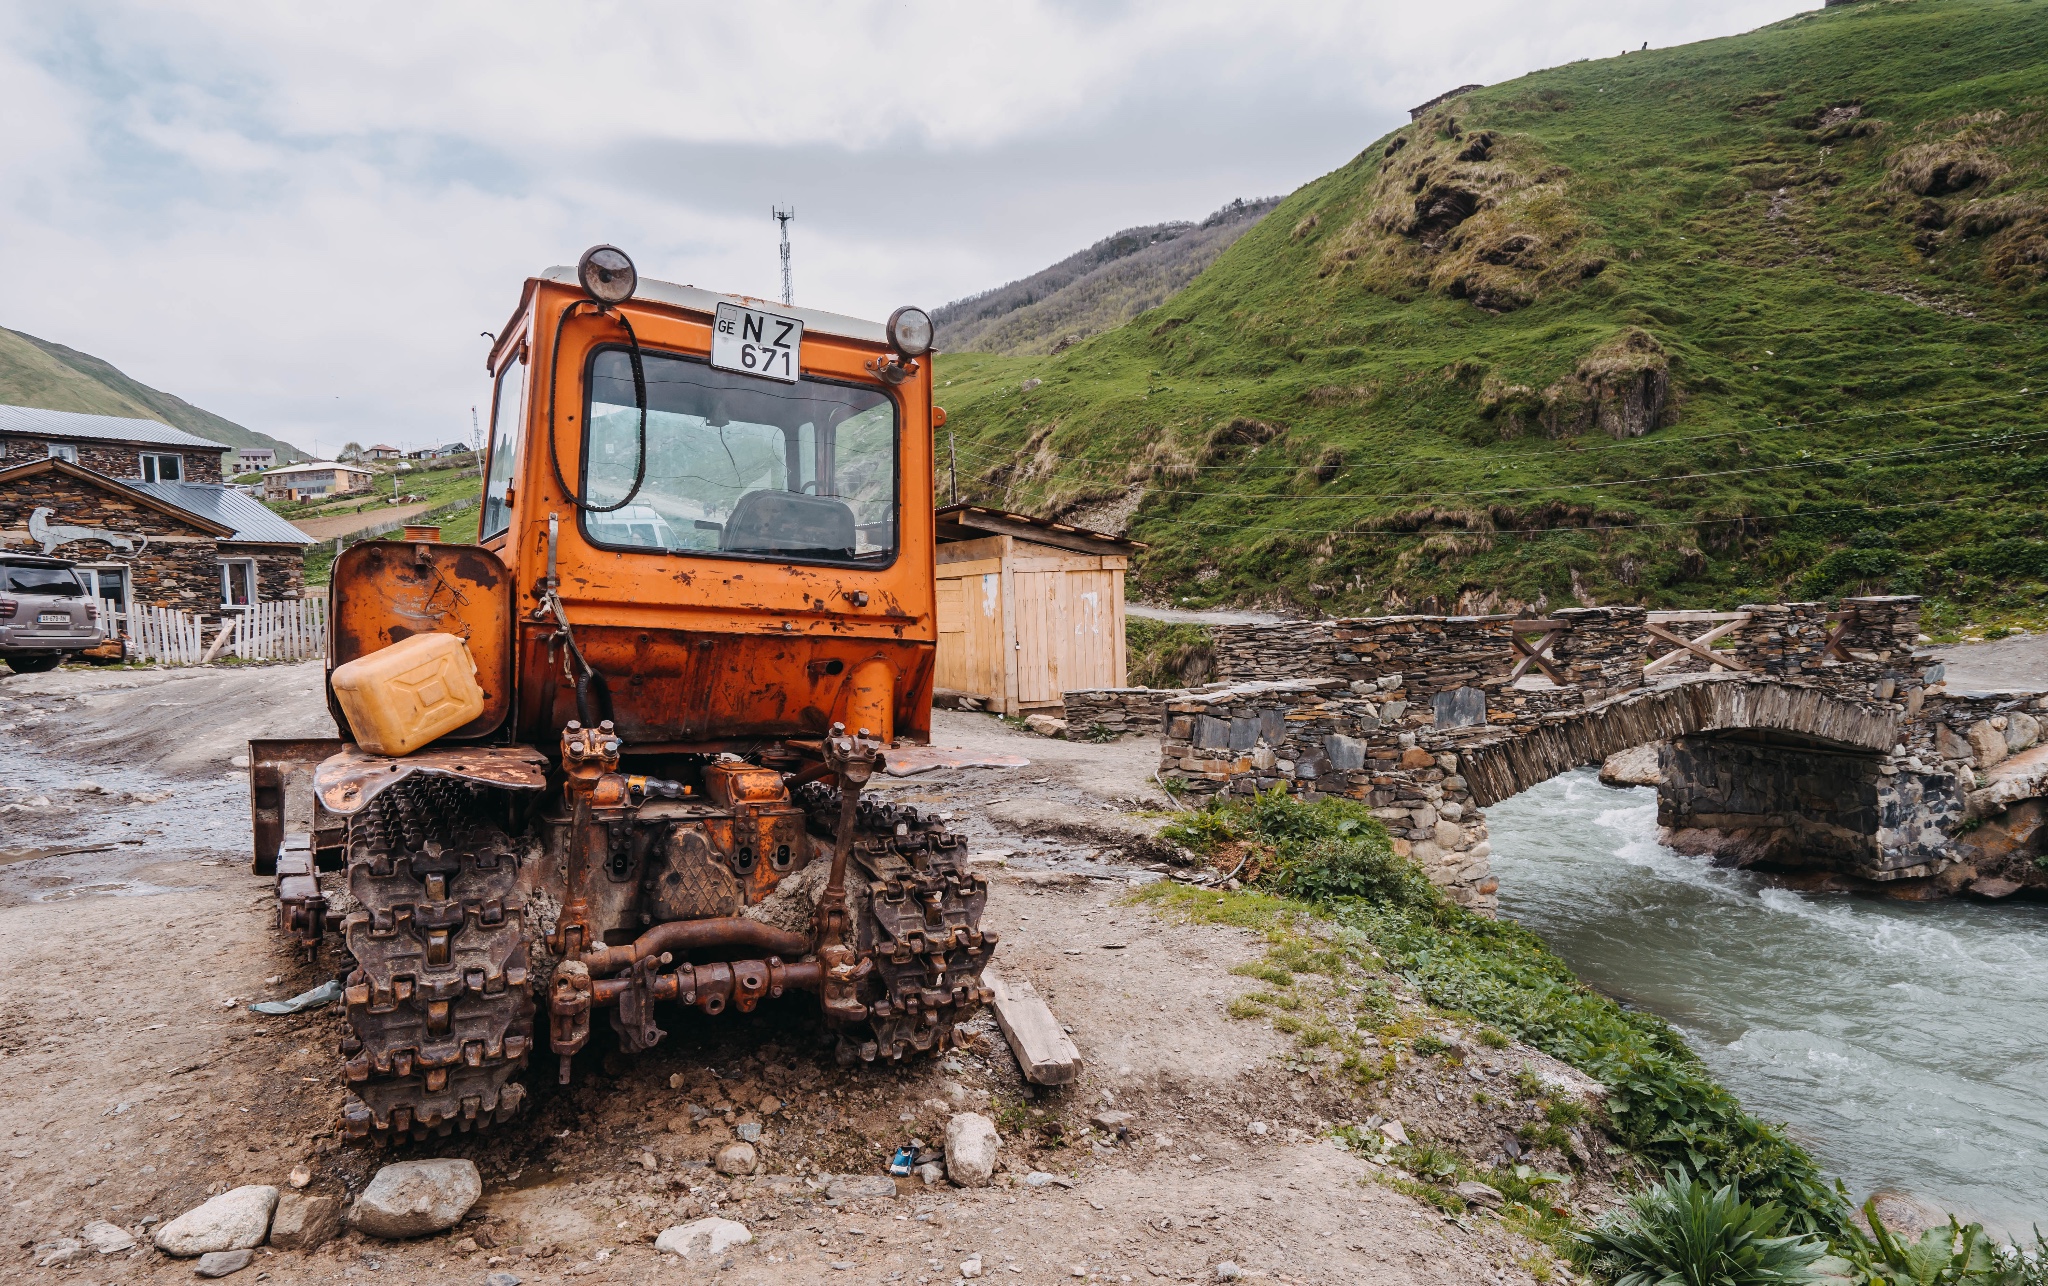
(740, 465)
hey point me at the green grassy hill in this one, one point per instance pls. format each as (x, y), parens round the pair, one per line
(40, 373)
(1750, 318)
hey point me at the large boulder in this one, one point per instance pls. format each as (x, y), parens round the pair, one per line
(416, 1198)
(1636, 766)
(237, 1219)
(971, 1147)
(702, 1238)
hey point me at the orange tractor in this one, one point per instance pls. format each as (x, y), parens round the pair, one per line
(609, 759)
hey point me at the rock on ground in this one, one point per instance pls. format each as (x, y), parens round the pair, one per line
(703, 1238)
(1045, 725)
(56, 1254)
(107, 1238)
(855, 1186)
(303, 1222)
(221, 1263)
(415, 1198)
(1636, 766)
(971, 1146)
(237, 1219)
(736, 1158)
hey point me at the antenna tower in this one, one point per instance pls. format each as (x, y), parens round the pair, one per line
(783, 217)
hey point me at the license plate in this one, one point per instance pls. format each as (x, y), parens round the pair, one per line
(54, 618)
(756, 343)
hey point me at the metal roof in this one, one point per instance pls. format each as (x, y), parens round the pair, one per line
(39, 423)
(228, 507)
(706, 301)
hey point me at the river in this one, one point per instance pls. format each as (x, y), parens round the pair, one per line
(1905, 1043)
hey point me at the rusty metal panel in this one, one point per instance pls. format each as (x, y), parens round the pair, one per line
(350, 779)
(281, 792)
(386, 591)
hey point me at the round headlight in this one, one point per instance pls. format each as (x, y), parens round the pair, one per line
(607, 274)
(910, 331)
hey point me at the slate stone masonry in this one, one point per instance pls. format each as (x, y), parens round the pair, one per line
(1816, 733)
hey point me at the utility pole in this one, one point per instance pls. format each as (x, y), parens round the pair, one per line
(953, 466)
(783, 217)
(476, 441)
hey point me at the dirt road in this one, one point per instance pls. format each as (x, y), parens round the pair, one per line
(132, 938)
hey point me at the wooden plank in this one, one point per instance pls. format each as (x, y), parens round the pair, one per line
(1693, 618)
(1723, 659)
(1044, 1053)
(1006, 644)
(969, 567)
(1733, 621)
(1116, 641)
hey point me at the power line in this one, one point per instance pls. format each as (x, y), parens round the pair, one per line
(1550, 531)
(1267, 497)
(1631, 444)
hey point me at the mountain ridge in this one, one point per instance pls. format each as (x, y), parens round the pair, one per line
(1095, 289)
(50, 376)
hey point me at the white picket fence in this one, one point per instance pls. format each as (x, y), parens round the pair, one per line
(293, 629)
(289, 630)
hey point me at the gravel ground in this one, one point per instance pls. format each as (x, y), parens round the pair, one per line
(132, 937)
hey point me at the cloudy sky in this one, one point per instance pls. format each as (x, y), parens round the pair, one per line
(300, 217)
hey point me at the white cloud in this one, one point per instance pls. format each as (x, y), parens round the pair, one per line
(300, 217)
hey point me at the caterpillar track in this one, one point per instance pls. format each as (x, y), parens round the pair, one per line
(439, 1007)
(922, 927)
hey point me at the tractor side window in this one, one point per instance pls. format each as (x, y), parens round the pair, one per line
(739, 465)
(508, 415)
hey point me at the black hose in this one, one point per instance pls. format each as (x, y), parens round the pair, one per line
(639, 402)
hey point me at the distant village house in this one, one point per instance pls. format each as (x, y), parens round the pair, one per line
(382, 452)
(254, 459)
(160, 527)
(316, 481)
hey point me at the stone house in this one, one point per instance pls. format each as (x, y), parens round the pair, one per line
(116, 446)
(202, 548)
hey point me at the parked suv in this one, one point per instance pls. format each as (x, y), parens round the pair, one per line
(45, 613)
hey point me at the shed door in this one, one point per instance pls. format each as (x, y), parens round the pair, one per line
(971, 633)
(1041, 637)
(1090, 638)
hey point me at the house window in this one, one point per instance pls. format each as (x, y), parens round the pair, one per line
(162, 467)
(64, 451)
(110, 586)
(237, 582)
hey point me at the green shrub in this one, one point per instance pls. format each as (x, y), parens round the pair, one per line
(1684, 1233)
(1953, 1255)
(1166, 654)
(1661, 1102)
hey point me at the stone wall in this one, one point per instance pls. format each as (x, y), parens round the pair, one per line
(1805, 807)
(178, 568)
(1417, 715)
(1319, 737)
(116, 460)
(1118, 711)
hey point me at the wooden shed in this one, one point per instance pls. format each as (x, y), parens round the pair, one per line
(1029, 609)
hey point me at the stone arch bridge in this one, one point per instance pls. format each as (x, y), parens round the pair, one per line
(1793, 736)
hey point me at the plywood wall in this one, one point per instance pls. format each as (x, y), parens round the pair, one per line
(1022, 624)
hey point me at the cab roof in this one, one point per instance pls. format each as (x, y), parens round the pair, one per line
(697, 299)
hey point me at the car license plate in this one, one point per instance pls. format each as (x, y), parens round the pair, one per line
(756, 343)
(53, 618)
